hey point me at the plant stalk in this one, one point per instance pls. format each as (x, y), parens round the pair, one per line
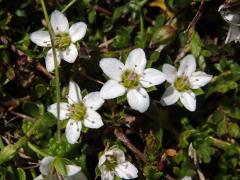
(57, 81)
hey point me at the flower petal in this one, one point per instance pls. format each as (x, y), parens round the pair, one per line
(112, 89)
(59, 22)
(187, 66)
(107, 175)
(79, 176)
(136, 60)
(170, 96)
(188, 99)
(63, 110)
(152, 77)
(72, 169)
(40, 177)
(126, 170)
(70, 53)
(199, 79)
(41, 38)
(73, 130)
(49, 60)
(101, 160)
(170, 72)
(118, 153)
(93, 100)
(112, 67)
(233, 34)
(44, 165)
(138, 99)
(93, 120)
(74, 93)
(77, 31)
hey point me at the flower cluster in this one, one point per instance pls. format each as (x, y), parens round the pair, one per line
(131, 79)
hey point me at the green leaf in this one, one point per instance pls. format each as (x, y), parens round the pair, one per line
(32, 109)
(60, 166)
(48, 120)
(21, 174)
(40, 90)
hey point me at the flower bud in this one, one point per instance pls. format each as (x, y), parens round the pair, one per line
(163, 35)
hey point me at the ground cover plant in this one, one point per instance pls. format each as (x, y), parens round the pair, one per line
(137, 89)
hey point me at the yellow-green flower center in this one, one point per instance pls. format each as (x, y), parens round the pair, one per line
(77, 111)
(62, 40)
(182, 84)
(110, 163)
(130, 79)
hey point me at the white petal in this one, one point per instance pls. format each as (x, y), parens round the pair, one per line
(77, 31)
(63, 110)
(152, 77)
(112, 67)
(40, 177)
(44, 164)
(59, 22)
(170, 72)
(118, 153)
(101, 160)
(188, 99)
(112, 89)
(170, 96)
(138, 99)
(93, 120)
(49, 60)
(72, 169)
(70, 53)
(233, 34)
(199, 79)
(73, 130)
(107, 175)
(79, 176)
(187, 66)
(136, 60)
(41, 38)
(74, 93)
(126, 171)
(93, 100)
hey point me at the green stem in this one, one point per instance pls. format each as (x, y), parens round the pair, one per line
(222, 144)
(37, 150)
(57, 81)
(68, 6)
(141, 23)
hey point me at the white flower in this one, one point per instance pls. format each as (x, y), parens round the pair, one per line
(232, 18)
(64, 39)
(80, 112)
(46, 166)
(130, 78)
(113, 163)
(182, 81)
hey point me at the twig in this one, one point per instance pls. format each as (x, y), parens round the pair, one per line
(196, 17)
(39, 67)
(106, 43)
(127, 142)
(103, 10)
(92, 79)
(42, 69)
(21, 115)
